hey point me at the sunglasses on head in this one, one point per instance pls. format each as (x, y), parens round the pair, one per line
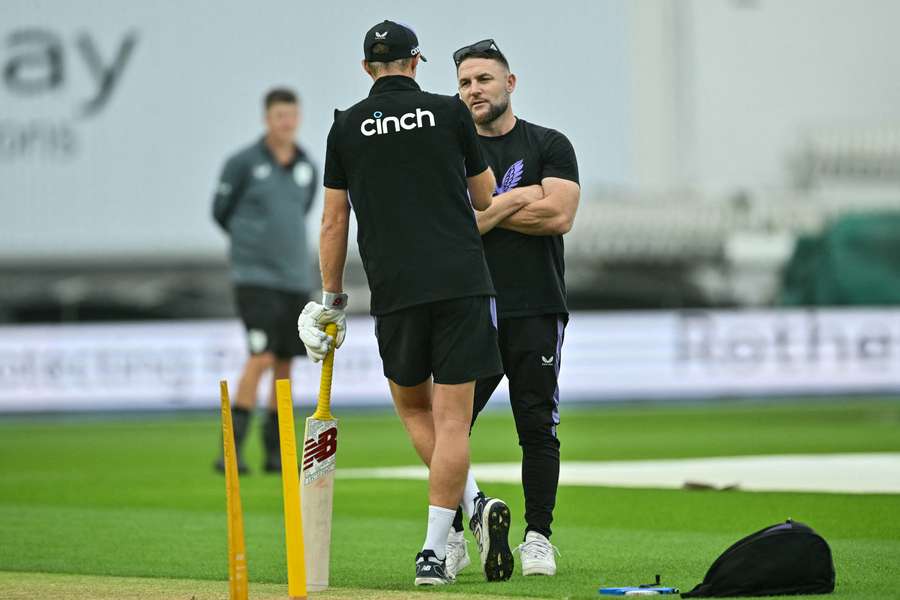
(482, 46)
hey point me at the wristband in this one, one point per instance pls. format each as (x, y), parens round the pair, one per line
(335, 300)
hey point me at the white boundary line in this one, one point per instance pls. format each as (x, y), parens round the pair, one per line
(840, 473)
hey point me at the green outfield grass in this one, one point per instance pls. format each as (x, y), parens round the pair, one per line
(133, 496)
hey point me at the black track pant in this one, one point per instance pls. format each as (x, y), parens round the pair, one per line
(531, 350)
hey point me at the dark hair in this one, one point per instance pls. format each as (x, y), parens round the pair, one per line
(277, 95)
(489, 54)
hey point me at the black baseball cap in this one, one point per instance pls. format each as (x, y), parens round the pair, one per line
(400, 39)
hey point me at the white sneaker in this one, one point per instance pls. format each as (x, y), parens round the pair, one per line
(457, 552)
(537, 555)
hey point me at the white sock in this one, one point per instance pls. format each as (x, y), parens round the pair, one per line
(439, 522)
(468, 503)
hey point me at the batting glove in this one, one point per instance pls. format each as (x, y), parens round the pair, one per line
(311, 324)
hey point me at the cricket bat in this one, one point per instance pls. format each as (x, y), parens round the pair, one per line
(317, 478)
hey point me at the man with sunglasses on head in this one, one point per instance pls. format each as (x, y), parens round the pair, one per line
(409, 165)
(533, 207)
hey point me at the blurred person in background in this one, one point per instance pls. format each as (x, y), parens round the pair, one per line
(263, 197)
(533, 206)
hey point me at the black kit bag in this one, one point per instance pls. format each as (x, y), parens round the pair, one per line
(788, 558)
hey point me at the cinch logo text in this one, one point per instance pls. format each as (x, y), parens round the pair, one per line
(380, 125)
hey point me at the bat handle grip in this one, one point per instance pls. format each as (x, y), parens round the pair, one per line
(323, 407)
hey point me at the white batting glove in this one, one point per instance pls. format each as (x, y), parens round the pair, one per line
(311, 324)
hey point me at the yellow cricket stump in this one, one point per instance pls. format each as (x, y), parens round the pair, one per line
(293, 523)
(237, 554)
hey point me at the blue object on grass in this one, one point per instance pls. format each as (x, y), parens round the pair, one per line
(636, 591)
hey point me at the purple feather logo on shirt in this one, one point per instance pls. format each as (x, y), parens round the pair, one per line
(512, 178)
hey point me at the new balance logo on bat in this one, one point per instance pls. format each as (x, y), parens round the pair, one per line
(319, 448)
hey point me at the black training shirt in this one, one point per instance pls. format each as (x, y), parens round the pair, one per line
(528, 270)
(404, 155)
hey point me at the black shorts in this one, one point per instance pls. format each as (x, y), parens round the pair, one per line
(454, 341)
(270, 317)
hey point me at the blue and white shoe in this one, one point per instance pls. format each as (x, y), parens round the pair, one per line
(430, 570)
(490, 526)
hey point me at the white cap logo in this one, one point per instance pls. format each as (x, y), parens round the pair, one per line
(380, 36)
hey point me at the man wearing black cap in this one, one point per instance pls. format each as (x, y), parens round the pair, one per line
(411, 165)
(533, 206)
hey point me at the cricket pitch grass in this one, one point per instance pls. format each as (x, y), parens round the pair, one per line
(128, 507)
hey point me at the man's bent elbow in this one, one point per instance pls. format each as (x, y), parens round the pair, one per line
(481, 203)
(563, 224)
